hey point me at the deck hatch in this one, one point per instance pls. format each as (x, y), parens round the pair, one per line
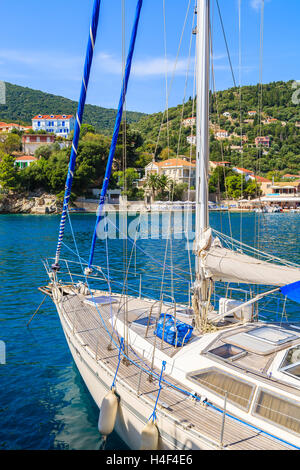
(278, 410)
(228, 352)
(239, 392)
(275, 336)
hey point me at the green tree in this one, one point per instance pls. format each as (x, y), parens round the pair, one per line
(8, 172)
(12, 143)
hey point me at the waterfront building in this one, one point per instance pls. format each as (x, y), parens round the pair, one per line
(60, 125)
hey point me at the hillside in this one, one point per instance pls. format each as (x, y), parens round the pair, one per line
(24, 103)
(283, 131)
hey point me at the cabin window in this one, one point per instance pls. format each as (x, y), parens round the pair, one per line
(239, 392)
(291, 363)
(278, 410)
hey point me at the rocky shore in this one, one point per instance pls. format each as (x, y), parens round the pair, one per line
(29, 204)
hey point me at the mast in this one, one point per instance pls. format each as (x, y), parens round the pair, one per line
(202, 152)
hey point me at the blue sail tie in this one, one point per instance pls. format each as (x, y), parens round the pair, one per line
(292, 291)
(117, 127)
(78, 122)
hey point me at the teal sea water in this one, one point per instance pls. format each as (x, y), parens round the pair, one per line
(44, 404)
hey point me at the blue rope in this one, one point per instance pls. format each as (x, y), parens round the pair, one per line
(153, 416)
(252, 426)
(121, 348)
(78, 122)
(185, 392)
(117, 127)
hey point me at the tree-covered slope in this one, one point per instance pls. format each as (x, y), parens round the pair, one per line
(24, 103)
(277, 103)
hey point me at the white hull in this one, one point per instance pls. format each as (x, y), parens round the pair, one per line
(133, 411)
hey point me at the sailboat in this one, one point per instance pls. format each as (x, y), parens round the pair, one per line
(167, 375)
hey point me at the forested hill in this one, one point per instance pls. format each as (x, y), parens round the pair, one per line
(280, 122)
(24, 103)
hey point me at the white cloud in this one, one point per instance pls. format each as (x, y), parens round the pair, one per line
(35, 62)
(148, 67)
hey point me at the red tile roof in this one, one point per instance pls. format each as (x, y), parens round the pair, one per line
(244, 170)
(53, 116)
(261, 179)
(175, 162)
(26, 158)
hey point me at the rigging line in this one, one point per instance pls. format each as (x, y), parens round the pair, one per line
(117, 127)
(240, 100)
(166, 75)
(79, 116)
(184, 98)
(219, 123)
(226, 43)
(172, 79)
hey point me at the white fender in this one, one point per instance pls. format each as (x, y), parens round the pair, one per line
(149, 437)
(108, 413)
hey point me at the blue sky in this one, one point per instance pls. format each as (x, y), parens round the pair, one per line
(43, 46)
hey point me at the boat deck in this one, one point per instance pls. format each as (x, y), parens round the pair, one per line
(204, 420)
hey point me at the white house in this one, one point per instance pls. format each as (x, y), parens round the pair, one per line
(191, 121)
(176, 169)
(227, 114)
(221, 134)
(58, 124)
(192, 139)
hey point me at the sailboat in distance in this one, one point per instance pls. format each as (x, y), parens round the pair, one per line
(169, 375)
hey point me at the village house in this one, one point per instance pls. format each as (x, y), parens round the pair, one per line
(291, 177)
(264, 183)
(191, 121)
(24, 161)
(262, 141)
(271, 121)
(252, 113)
(243, 171)
(227, 114)
(214, 165)
(291, 189)
(192, 140)
(60, 125)
(31, 142)
(177, 169)
(4, 127)
(236, 148)
(221, 134)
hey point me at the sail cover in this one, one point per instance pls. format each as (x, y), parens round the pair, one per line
(292, 291)
(222, 264)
